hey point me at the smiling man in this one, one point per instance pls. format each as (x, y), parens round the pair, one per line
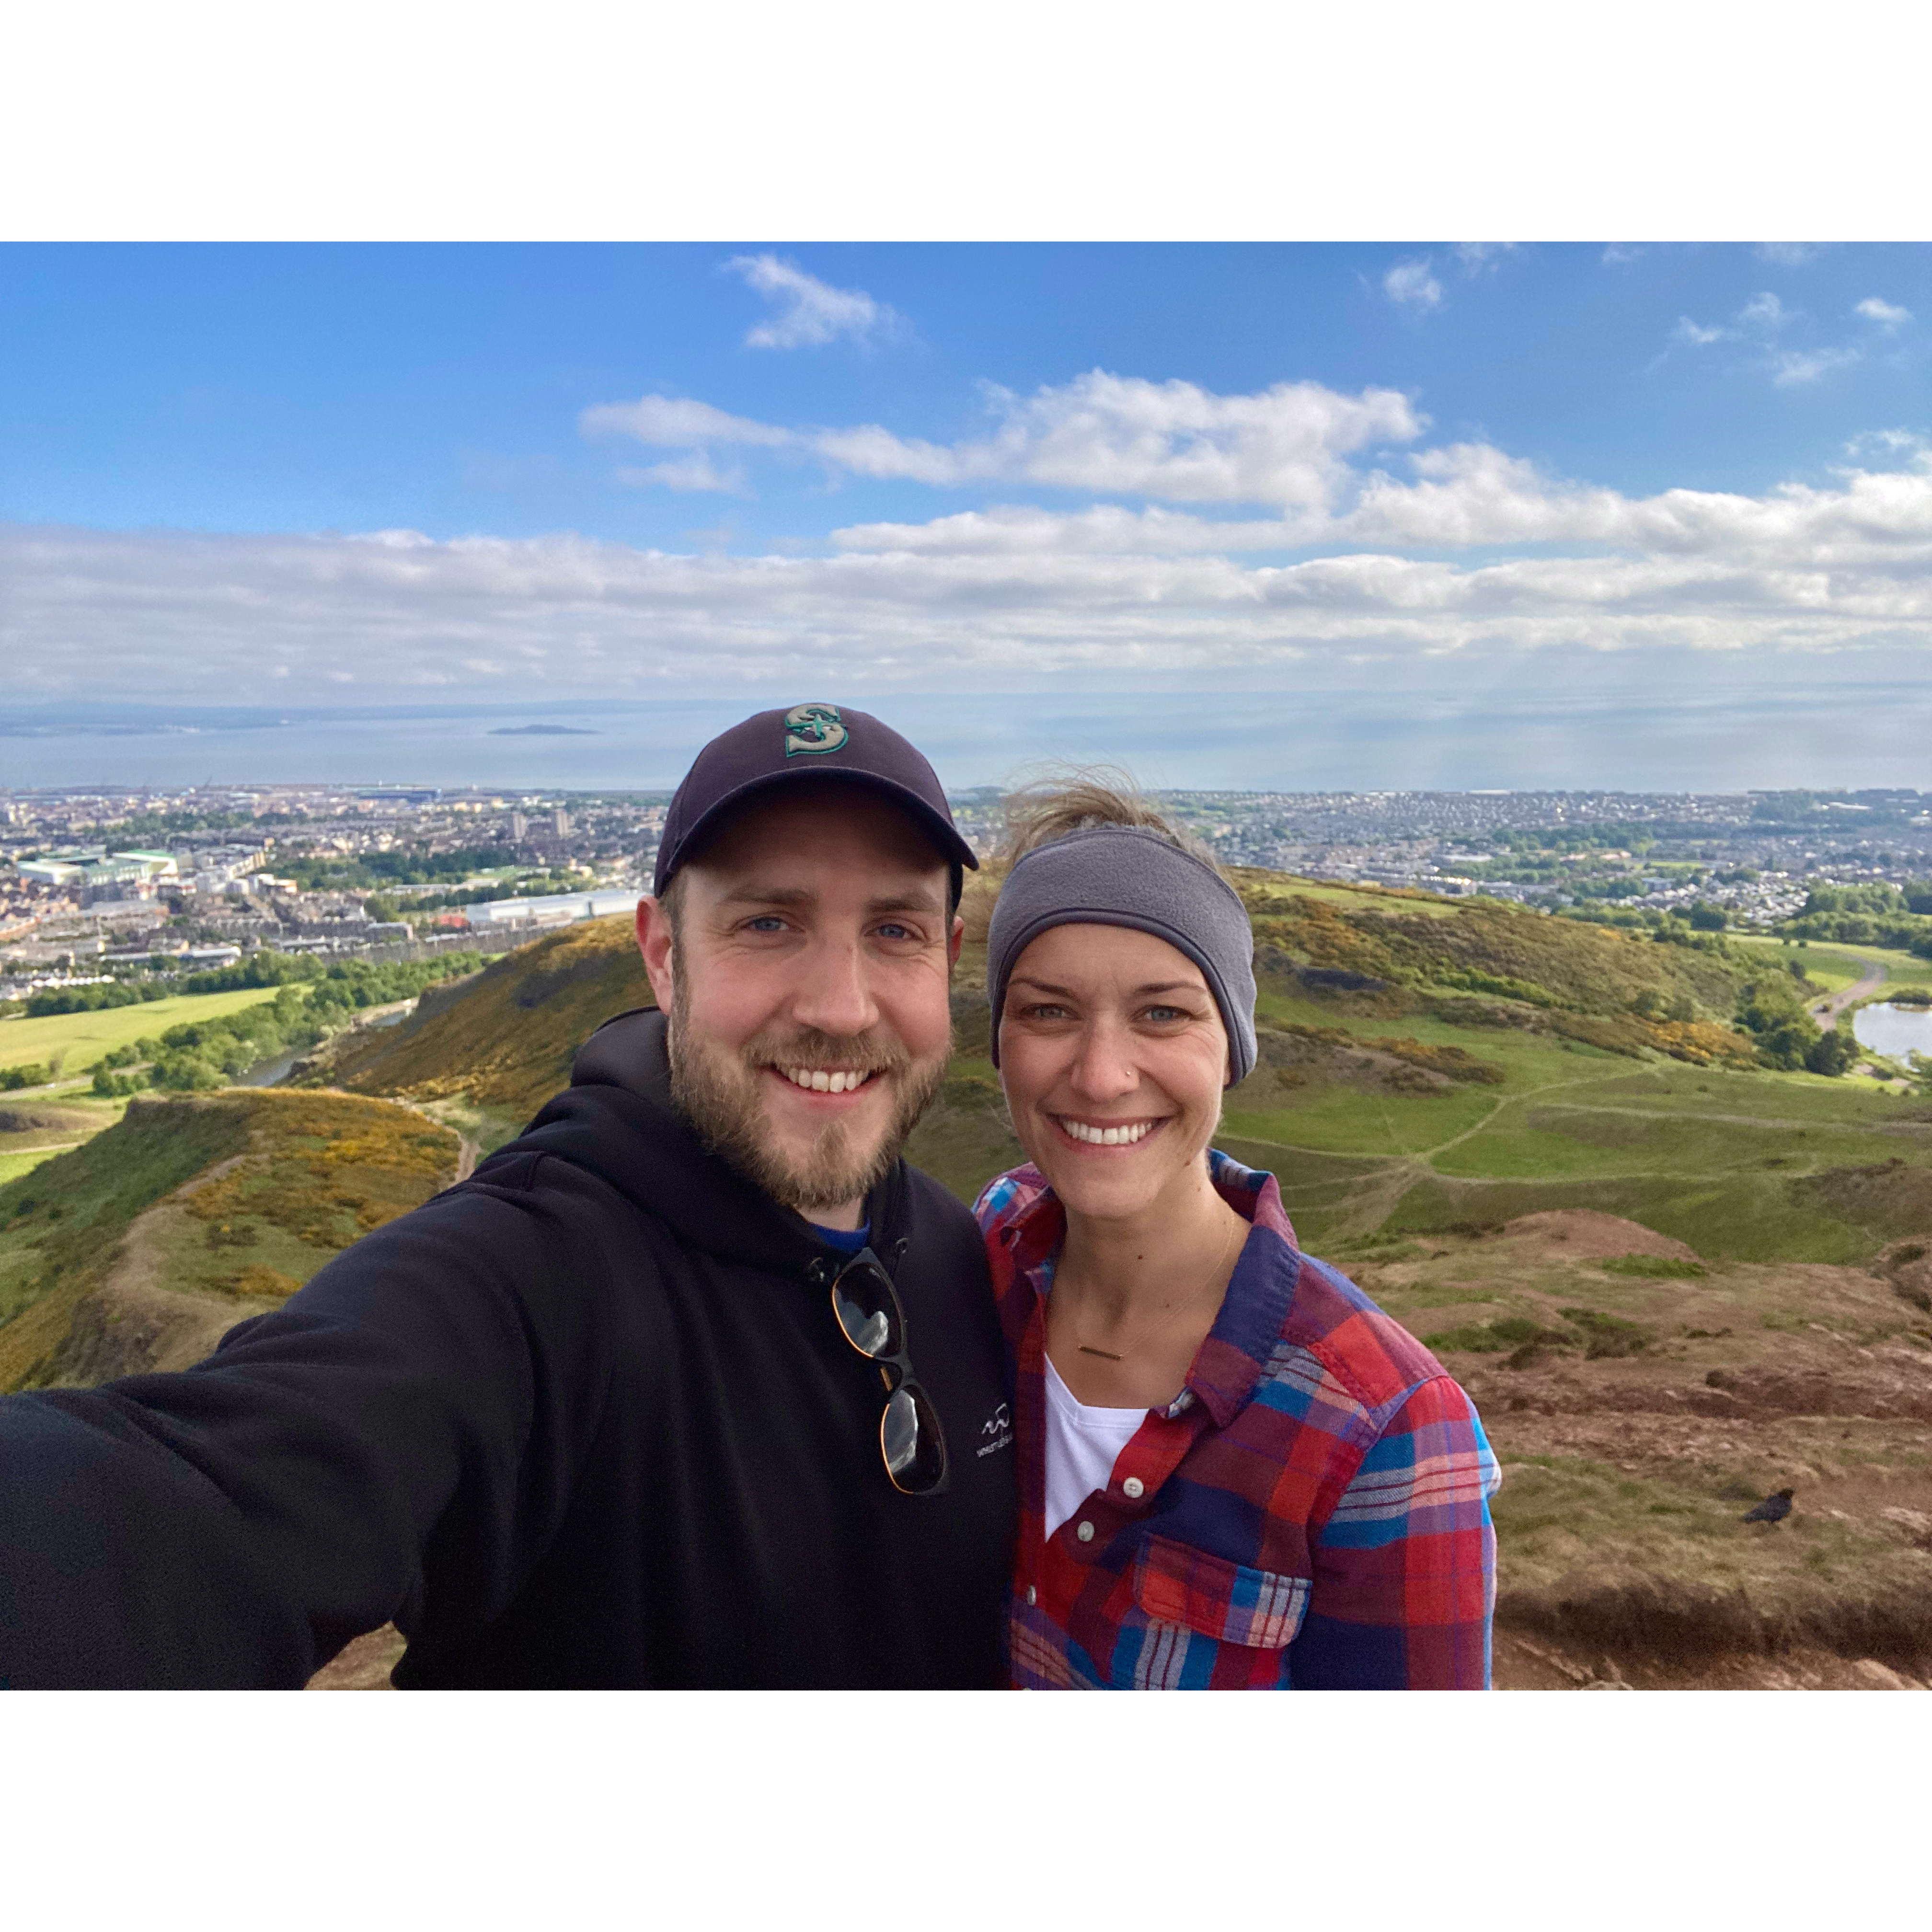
(696, 1384)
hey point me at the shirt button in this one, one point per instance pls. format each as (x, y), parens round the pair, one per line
(1085, 1532)
(1033, 1595)
(1134, 1488)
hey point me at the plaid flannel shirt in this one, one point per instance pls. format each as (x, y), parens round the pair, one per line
(1310, 1512)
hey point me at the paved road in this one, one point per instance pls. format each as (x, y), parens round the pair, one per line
(1826, 1011)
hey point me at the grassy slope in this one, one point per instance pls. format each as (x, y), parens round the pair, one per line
(505, 1041)
(1745, 1164)
(35, 1127)
(79, 1039)
(306, 1174)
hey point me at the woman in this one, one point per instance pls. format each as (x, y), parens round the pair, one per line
(1236, 1471)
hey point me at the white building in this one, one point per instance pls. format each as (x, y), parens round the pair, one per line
(560, 909)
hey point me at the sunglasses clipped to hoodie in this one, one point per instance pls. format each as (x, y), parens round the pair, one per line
(872, 1318)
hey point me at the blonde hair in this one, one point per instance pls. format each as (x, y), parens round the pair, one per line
(1080, 800)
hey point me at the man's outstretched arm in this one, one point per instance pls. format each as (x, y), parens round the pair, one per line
(236, 1525)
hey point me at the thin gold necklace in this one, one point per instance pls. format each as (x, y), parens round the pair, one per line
(1173, 1315)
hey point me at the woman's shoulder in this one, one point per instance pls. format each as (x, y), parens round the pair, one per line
(1360, 1343)
(1007, 1196)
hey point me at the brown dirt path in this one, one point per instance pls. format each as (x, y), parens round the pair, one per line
(1827, 1010)
(131, 1324)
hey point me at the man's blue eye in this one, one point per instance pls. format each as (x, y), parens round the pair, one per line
(770, 922)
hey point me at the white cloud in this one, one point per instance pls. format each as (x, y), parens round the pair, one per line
(1764, 317)
(1764, 311)
(1787, 254)
(1796, 366)
(675, 422)
(1123, 435)
(1888, 316)
(810, 313)
(1618, 253)
(1477, 256)
(1892, 443)
(1696, 335)
(1115, 435)
(1474, 497)
(1410, 285)
(695, 472)
(1404, 566)
(1286, 526)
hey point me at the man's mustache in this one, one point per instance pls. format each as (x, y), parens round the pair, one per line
(824, 1052)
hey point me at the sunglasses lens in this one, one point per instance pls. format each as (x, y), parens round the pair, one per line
(862, 1299)
(914, 1446)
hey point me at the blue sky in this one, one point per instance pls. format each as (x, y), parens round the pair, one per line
(1684, 481)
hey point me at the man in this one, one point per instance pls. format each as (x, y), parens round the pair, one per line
(696, 1384)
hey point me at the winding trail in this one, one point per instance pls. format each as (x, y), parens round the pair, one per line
(1827, 1010)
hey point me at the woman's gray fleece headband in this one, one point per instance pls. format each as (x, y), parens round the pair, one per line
(1125, 875)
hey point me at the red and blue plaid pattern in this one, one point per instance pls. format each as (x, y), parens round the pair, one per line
(1310, 1512)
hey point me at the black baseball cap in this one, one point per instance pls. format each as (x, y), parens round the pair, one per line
(808, 744)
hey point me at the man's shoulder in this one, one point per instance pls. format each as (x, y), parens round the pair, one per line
(934, 1209)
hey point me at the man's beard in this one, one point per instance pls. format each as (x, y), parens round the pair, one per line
(718, 1090)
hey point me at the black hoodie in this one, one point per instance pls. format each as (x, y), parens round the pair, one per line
(585, 1420)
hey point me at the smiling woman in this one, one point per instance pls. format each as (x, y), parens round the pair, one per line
(1236, 1472)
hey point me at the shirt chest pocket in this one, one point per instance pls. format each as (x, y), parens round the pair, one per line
(1258, 1609)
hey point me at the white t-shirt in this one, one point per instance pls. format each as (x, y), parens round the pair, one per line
(1082, 1446)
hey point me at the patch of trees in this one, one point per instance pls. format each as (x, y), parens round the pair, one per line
(157, 828)
(94, 999)
(263, 969)
(368, 871)
(200, 1053)
(538, 885)
(1771, 1010)
(1873, 914)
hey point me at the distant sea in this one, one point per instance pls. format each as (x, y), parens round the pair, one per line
(1444, 736)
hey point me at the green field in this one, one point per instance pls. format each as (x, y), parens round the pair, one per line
(77, 1040)
(1745, 1164)
(12, 1165)
(1833, 966)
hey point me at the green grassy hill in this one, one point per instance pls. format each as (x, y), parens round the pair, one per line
(500, 1042)
(141, 1245)
(1426, 1064)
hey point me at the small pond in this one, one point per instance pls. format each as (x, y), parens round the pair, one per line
(1894, 1030)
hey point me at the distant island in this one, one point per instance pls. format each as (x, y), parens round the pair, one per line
(541, 731)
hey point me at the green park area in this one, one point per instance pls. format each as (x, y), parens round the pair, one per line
(1833, 966)
(70, 1043)
(1744, 1163)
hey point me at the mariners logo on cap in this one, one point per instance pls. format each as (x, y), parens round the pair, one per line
(812, 729)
